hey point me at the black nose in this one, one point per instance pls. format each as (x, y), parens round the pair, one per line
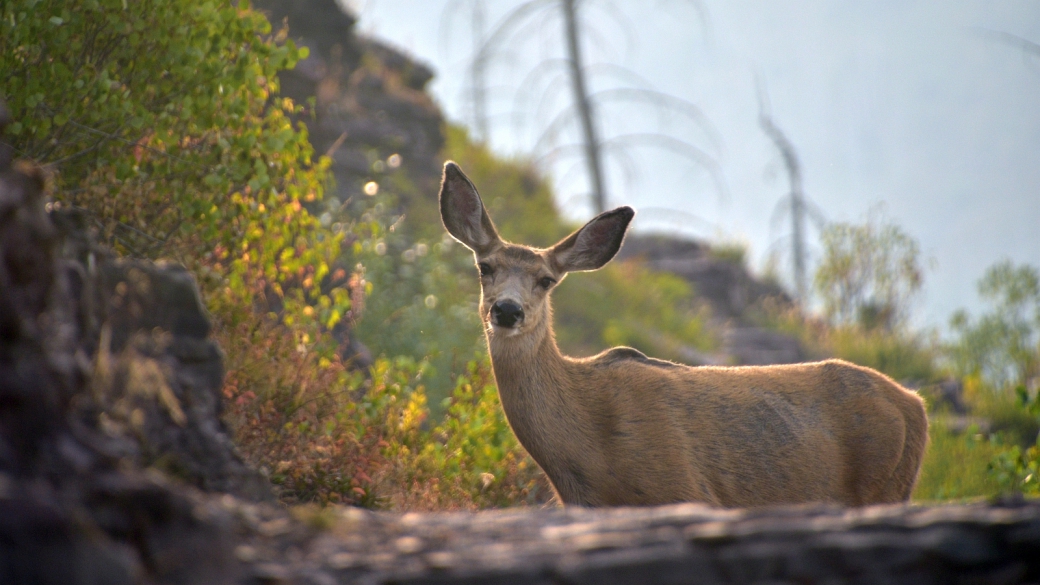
(506, 314)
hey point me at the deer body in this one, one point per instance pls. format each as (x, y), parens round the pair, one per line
(620, 428)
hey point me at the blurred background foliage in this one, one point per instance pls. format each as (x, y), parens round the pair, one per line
(162, 123)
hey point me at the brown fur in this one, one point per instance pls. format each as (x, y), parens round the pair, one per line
(623, 429)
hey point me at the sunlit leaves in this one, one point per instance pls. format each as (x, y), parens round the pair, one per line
(156, 119)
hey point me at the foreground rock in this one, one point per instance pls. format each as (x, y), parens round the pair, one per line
(155, 392)
(674, 544)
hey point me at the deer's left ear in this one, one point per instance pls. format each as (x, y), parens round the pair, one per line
(595, 243)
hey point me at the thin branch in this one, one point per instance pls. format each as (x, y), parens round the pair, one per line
(629, 169)
(612, 12)
(677, 216)
(527, 84)
(1026, 45)
(552, 130)
(680, 147)
(666, 102)
(500, 32)
(560, 151)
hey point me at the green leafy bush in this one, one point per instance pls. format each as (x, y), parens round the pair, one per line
(470, 460)
(423, 304)
(160, 120)
(1017, 467)
(325, 434)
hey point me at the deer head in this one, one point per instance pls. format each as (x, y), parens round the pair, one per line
(515, 280)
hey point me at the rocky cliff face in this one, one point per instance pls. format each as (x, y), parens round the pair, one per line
(156, 376)
(370, 101)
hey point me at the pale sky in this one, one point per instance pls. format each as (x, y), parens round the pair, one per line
(904, 106)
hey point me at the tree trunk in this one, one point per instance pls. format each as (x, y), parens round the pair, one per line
(584, 105)
(794, 175)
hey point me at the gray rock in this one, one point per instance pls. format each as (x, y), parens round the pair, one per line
(731, 293)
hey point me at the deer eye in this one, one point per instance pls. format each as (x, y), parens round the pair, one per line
(546, 282)
(485, 269)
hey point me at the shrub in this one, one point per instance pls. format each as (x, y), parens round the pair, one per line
(868, 275)
(1017, 467)
(470, 460)
(161, 121)
(324, 434)
(998, 356)
(899, 353)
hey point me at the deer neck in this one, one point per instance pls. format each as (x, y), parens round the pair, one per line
(529, 364)
(535, 384)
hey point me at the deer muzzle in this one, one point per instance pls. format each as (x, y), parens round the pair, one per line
(507, 314)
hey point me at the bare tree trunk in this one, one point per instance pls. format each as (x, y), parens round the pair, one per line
(479, 74)
(584, 105)
(794, 175)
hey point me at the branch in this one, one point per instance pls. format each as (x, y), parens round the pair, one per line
(556, 125)
(666, 102)
(501, 30)
(680, 147)
(1014, 40)
(611, 11)
(678, 217)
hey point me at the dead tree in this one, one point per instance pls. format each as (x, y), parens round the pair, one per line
(795, 201)
(585, 104)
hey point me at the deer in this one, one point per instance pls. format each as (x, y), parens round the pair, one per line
(623, 429)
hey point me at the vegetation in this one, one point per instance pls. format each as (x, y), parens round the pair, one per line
(955, 465)
(161, 122)
(902, 354)
(999, 354)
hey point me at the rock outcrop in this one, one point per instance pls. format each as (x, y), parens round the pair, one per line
(136, 331)
(70, 510)
(370, 101)
(730, 292)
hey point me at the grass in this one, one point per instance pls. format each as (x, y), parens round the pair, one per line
(956, 465)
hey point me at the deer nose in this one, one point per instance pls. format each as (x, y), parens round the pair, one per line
(506, 314)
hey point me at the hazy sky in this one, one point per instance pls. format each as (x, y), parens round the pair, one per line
(907, 108)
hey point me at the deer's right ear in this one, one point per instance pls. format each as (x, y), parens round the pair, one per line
(463, 212)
